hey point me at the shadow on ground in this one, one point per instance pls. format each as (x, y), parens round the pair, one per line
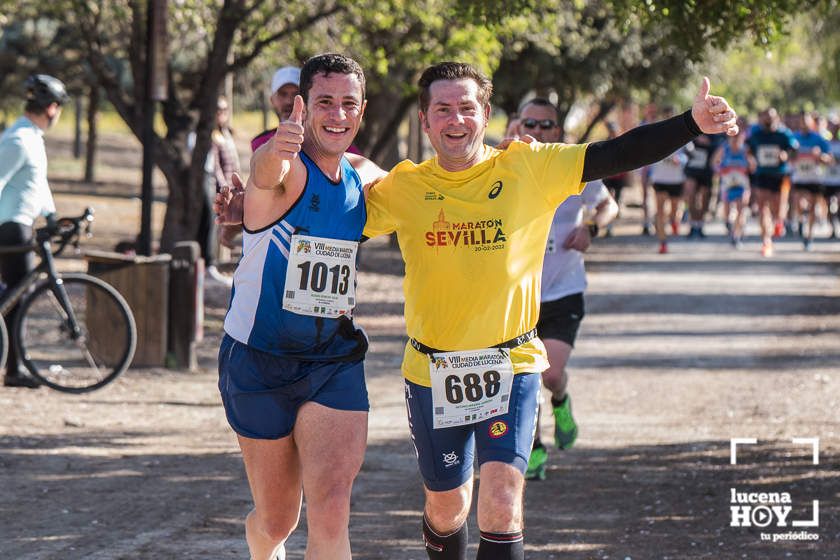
(680, 506)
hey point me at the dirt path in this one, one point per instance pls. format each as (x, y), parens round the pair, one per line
(678, 354)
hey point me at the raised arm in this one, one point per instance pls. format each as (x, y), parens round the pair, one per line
(650, 143)
(277, 173)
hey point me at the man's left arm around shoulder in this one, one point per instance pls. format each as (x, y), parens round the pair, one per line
(650, 143)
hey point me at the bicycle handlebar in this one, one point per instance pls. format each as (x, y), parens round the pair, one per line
(64, 230)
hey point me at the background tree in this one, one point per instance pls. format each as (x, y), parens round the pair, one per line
(202, 37)
(600, 51)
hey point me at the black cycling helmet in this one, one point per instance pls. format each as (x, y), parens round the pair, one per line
(41, 90)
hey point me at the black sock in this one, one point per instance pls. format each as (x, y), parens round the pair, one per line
(501, 546)
(445, 547)
(558, 402)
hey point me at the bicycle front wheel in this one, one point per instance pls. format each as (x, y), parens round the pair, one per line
(77, 335)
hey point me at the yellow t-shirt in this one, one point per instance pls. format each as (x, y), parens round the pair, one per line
(473, 243)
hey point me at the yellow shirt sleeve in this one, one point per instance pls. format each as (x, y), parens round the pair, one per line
(379, 218)
(557, 170)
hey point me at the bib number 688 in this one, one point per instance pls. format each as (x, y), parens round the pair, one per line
(471, 387)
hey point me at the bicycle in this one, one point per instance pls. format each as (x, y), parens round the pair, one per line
(73, 332)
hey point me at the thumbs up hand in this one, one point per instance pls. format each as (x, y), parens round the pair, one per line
(289, 135)
(712, 113)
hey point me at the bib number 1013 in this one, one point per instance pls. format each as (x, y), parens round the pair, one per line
(315, 277)
(472, 387)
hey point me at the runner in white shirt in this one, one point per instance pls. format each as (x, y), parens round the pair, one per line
(563, 281)
(667, 177)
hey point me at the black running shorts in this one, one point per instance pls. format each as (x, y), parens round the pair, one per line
(674, 191)
(772, 183)
(560, 319)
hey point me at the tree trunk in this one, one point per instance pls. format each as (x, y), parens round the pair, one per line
(93, 132)
(378, 140)
(77, 129)
(604, 108)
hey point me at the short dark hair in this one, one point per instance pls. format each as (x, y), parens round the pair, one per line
(328, 63)
(453, 71)
(541, 102)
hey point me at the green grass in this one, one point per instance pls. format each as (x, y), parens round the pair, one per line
(111, 122)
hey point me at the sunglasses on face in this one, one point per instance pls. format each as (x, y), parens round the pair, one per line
(545, 124)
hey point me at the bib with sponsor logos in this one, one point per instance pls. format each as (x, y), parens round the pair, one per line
(698, 158)
(733, 178)
(768, 155)
(320, 277)
(470, 386)
(806, 169)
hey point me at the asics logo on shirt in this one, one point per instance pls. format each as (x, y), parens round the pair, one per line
(495, 190)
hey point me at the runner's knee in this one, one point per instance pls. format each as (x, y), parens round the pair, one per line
(275, 526)
(447, 511)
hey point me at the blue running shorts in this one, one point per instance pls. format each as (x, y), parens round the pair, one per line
(734, 193)
(262, 392)
(446, 455)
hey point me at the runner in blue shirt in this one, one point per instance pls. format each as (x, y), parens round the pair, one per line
(772, 145)
(808, 173)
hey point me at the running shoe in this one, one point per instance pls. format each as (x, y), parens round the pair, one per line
(536, 463)
(663, 248)
(778, 229)
(692, 233)
(700, 233)
(806, 244)
(646, 229)
(767, 250)
(565, 427)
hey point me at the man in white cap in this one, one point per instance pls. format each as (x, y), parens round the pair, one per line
(284, 87)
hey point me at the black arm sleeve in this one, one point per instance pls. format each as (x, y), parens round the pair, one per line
(638, 147)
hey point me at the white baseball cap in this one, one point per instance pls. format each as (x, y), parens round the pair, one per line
(285, 75)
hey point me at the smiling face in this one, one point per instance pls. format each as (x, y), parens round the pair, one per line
(333, 112)
(455, 122)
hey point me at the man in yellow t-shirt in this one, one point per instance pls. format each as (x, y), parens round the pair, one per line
(472, 225)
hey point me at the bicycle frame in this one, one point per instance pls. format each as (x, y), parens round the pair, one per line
(46, 267)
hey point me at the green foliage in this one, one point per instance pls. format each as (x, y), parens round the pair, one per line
(584, 52)
(697, 25)
(798, 71)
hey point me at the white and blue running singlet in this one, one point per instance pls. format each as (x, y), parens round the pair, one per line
(257, 316)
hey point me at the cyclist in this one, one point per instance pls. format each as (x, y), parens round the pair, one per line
(24, 192)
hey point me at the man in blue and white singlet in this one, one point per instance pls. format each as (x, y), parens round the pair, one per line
(291, 363)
